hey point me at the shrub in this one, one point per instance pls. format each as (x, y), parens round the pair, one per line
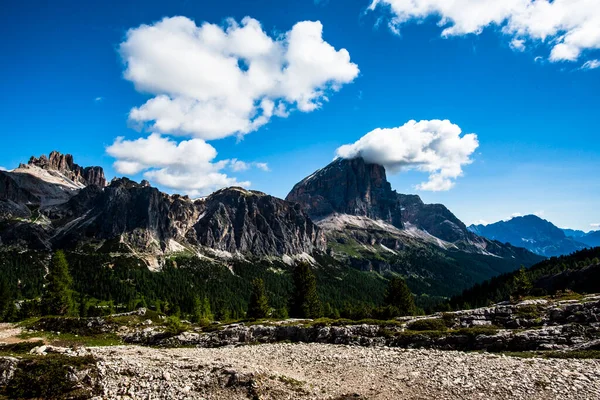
(46, 377)
(433, 324)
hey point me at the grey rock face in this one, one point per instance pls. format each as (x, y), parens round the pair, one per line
(236, 219)
(127, 214)
(349, 187)
(64, 164)
(433, 218)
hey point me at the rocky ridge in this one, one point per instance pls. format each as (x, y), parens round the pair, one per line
(63, 163)
(354, 188)
(533, 233)
(526, 326)
(51, 202)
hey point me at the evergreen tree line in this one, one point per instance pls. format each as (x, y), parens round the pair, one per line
(59, 297)
(534, 281)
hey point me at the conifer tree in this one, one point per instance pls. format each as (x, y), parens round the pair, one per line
(258, 306)
(201, 312)
(206, 311)
(305, 300)
(522, 282)
(5, 299)
(57, 298)
(398, 295)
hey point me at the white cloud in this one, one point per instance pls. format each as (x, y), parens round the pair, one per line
(595, 225)
(3, 169)
(435, 147)
(591, 64)
(238, 166)
(517, 44)
(262, 166)
(515, 215)
(481, 222)
(211, 82)
(187, 166)
(98, 99)
(569, 27)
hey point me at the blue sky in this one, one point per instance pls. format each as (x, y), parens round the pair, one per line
(536, 121)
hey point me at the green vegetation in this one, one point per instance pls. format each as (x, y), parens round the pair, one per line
(399, 298)
(71, 339)
(15, 349)
(427, 325)
(577, 272)
(258, 307)
(579, 354)
(44, 377)
(57, 298)
(201, 313)
(305, 299)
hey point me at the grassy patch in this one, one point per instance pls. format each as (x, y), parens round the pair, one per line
(531, 311)
(18, 348)
(432, 324)
(47, 378)
(343, 322)
(70, 339)
(579, 354)
(410, 335)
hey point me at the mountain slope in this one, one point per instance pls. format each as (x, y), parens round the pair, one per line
(579, 272)
(533, 233)
(350, 187)
(591, 238)
(373, 228)
(53, 203)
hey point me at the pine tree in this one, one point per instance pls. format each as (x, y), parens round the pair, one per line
(258, 306)
(398, 295)
(206, 311)
(5, 299)
(57, 298)
(196, 310)
(305, 300)
(522, 283)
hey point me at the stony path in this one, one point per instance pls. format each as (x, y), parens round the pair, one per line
(317, 371)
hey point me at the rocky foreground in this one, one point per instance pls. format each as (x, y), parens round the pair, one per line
(295, 359)
(319, 371)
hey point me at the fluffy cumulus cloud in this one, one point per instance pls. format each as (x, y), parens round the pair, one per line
(207, 82)
(210, 81)
(435, 147)
(569, 27)
(188, 165)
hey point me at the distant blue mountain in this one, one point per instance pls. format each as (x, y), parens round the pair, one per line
(592, 238)
(535, 234)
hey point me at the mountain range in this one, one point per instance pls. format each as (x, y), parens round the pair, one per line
(346, 213)
(538, 235)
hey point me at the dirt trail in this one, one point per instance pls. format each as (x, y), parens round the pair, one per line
(9, 334)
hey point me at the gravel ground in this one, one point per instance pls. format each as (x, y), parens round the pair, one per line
(318, 371)
(8, 332)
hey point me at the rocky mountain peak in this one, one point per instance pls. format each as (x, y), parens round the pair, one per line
(64, 164)
(348, 186)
